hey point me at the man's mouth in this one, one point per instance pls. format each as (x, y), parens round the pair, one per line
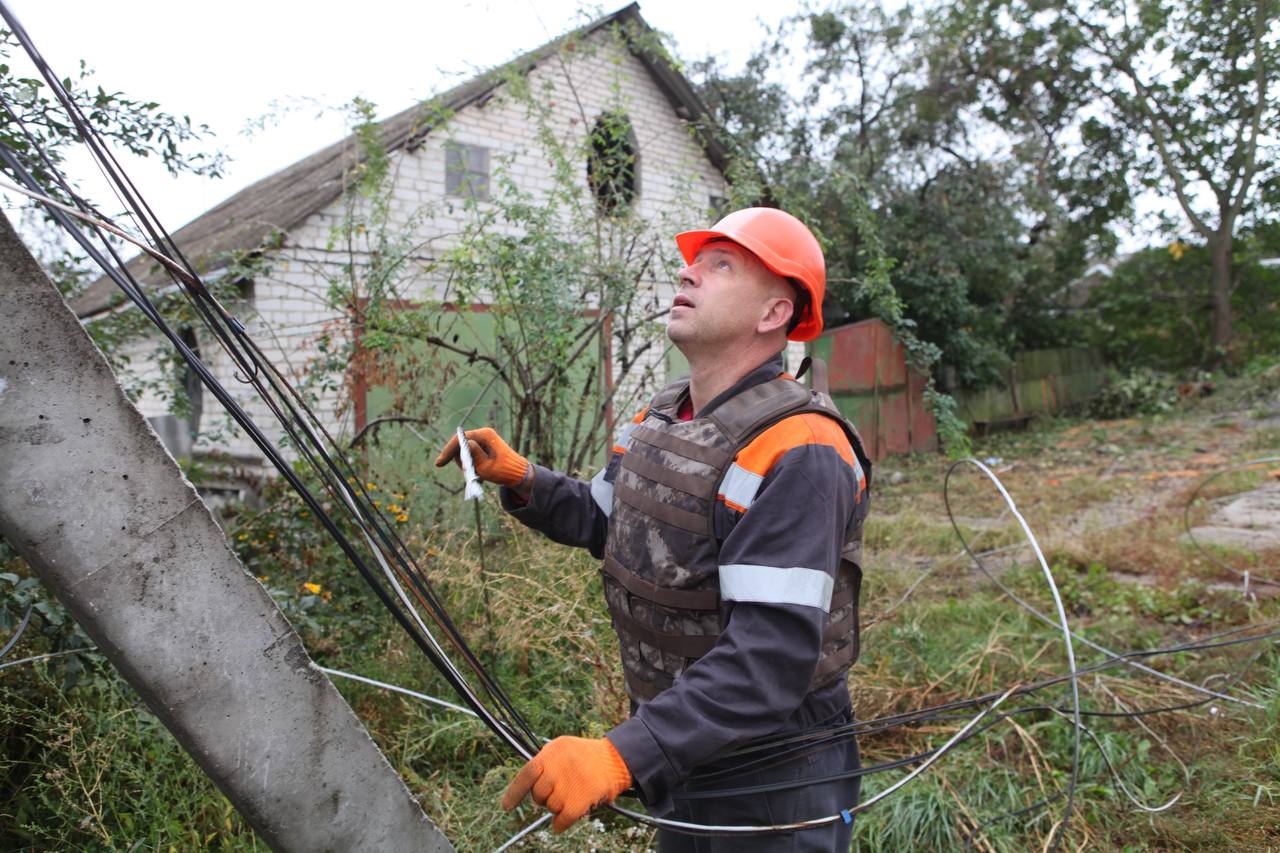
(681, 301)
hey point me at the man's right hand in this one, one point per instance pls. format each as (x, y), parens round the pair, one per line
(495, 461)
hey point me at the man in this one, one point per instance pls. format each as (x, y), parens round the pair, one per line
(729, 520)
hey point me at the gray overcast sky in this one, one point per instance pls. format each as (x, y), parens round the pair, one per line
(229, 63)
(226, 63)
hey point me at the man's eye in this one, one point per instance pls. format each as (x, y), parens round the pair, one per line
(722, 264)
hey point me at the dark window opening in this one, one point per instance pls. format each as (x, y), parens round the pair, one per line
(466, 171)
(192, 387)
(613, 163)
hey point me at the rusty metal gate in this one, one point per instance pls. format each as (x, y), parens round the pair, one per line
(874, 387)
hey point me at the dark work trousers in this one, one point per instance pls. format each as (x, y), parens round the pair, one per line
(786, 806)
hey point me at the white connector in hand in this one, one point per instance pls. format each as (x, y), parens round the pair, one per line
(474, 491)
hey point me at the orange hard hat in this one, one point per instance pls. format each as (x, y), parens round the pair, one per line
(783, 243)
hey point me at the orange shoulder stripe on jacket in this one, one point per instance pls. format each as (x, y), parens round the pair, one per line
(768, 447)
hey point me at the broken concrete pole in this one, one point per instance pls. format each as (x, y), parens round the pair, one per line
(93, 502)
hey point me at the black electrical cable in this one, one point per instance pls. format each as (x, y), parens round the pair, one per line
(249, 363)
(333, 469)
(866, 770)
(153, 314)
(777, 750)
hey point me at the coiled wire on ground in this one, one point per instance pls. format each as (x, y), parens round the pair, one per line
(385, 563)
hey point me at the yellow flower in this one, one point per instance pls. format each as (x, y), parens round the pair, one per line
(373, 487)
(394, 508)
(243, 536)
(402, 517)
(1177, 249)
(313, 588)
(262, 578)
(378, 504)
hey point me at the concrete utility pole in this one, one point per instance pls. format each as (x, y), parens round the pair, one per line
(94, 503)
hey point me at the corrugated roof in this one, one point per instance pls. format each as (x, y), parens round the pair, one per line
(256, 216)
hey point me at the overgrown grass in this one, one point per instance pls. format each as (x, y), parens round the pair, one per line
(90, 769)
(85, 767)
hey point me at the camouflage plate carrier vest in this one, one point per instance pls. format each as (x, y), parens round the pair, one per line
(661, 579)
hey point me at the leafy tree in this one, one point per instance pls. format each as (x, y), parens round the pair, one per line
(568, 332)
(35, 127)
(880, 147)
(1151, 310)
(1177, 95)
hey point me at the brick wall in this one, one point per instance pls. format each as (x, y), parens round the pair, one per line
(676, 183)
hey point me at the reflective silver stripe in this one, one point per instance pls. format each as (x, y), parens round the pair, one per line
(740, 486)
(773, 585)
(624, 437)
(602, 492)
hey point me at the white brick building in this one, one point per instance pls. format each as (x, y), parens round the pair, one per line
(456, 144)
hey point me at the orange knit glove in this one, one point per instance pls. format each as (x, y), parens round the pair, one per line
(495, 461)
(570, 776)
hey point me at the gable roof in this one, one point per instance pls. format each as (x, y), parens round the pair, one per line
(252, 218)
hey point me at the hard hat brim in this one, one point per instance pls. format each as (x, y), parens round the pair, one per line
(692, 242)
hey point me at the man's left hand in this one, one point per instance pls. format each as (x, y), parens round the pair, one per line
(570, 776)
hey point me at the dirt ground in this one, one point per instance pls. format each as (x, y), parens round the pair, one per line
(1180, 483)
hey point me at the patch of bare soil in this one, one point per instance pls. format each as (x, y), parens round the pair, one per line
(1249, 521)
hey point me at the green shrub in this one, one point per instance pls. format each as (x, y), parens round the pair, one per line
(1152, 311)
(1141, 391)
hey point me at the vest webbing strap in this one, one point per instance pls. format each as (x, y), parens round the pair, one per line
(679, 446)
(666, 399)
(684, 645)
(693, 522)
(827, 670)
(830, 666)
(841, 597)
(834, 663)
(638, 687)
(682, 599)
(745, 415)
(690, 484)
(819, 381)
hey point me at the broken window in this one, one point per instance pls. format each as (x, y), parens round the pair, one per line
(613, 163)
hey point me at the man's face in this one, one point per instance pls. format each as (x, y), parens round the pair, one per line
(722, 297)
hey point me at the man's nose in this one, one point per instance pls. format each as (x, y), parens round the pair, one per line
(688, 275)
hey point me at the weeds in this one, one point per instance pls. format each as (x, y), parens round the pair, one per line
(86, 767)
(92, 769)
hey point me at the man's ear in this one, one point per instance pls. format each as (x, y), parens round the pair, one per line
(776, 315)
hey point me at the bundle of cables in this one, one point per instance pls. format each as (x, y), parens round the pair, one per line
(372, 545)
(375, 549)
